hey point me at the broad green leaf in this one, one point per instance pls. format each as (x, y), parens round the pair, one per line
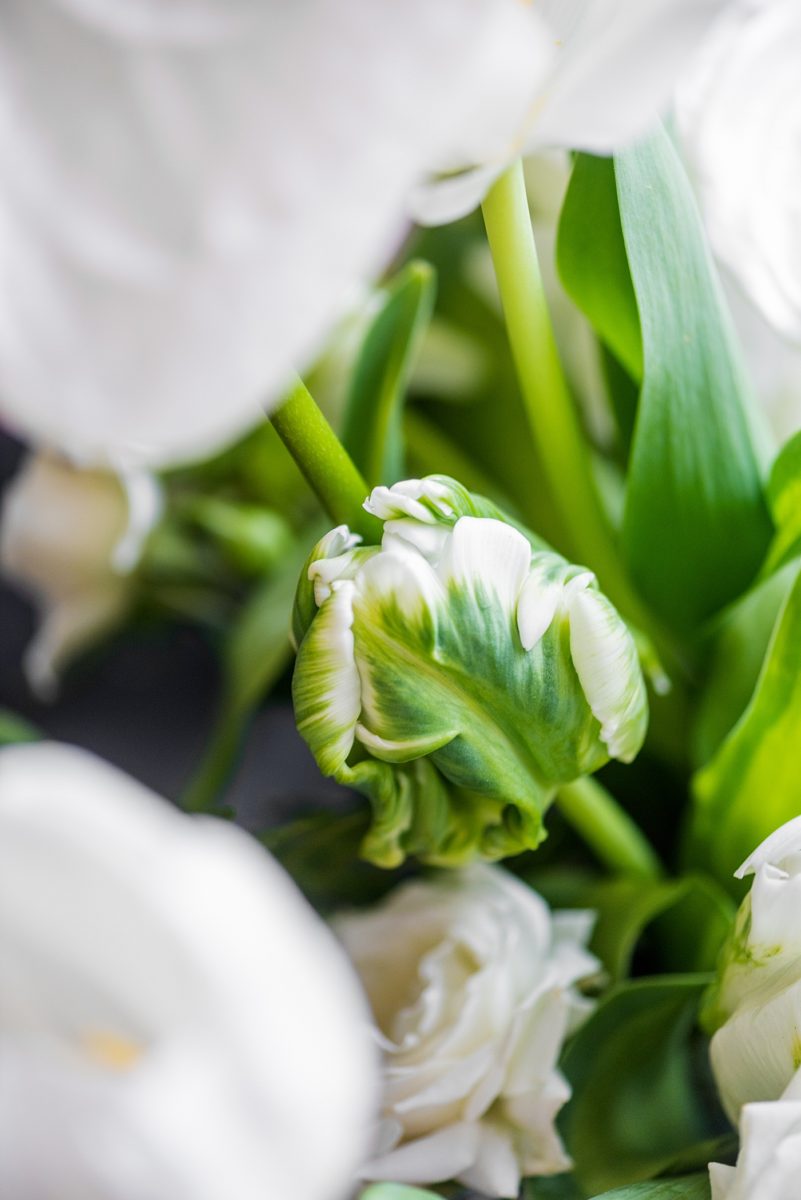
(592, 262)
(696, 525)
(15, 729)
(373, 427)
(689, 919)
(396, 1191)
(691, 1187)
(740, 643)
(753, 784)
(784, 495)
(636, 1101)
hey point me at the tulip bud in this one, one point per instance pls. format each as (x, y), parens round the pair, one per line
(755, 1001)
(457, 674)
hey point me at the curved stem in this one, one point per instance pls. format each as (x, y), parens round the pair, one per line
(609, 831)
(324, 462)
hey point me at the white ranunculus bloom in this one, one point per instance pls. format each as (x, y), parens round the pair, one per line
(471, 981)
(739, 116)
(769, 1163)
(757, 998)
(193, 192)
(612, 68)
(72, 537)
(174, 1019)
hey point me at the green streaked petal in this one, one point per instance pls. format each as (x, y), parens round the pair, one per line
(326, 689)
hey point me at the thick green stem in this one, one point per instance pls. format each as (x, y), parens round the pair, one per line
(607, 829)
(324, 462)
(549, 406)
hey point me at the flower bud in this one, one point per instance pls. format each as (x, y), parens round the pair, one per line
(756, 1000)
(457, 674)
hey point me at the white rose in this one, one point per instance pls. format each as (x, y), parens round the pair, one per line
(769, 1163)
(757, 1000)
(470, 978)
(72, 538)
(174, 1019)
(193, 192)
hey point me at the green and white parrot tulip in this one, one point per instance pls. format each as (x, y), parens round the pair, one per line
(457, 674)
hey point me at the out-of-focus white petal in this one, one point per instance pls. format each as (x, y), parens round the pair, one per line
(739, 118)
(194, 193)
(769, 1163)
(63, 532)
(174, 1018)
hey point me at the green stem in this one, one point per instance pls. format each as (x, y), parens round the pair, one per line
(607, 829)
(324, 462)
(549, 407)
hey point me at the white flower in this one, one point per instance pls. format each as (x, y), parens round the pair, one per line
(612, 66)
(174, 1020)
(739, 113)
(769, 1163)
(72, 538)
(757, 999)
(193, 192)
(471, 981)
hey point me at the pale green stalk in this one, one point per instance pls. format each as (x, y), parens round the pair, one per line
(609, 831)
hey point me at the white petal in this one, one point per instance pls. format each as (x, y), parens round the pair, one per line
(227, 176)
(122, 918)
(605, 658)
(489, 556)
(783, 842)
(617, 64)
(536, 608)
(442, 1156)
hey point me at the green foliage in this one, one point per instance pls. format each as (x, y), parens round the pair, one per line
(373, 427)
(14, 729)
(784, 496)
(696, 525)
(591, 256)
(753, 785)
(691, 1187)
(636, 1101)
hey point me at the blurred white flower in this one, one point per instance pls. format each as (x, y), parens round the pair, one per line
(194, 192)
(769, 1163)
(611, 68)
(174, 1019)
(756, 1050)
(739, 116)
(72, 538)
(471, 981)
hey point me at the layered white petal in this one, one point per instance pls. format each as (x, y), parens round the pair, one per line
(174, 1019)
(769, 1163)
(472, 981)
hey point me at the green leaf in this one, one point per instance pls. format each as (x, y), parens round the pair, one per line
(691, 1187)
(373, 426)
(396, 1191)
(592, 262)
(689, 918)
(256, 653)
(14, 729)
(753, 785)
(784, 496)
(696, 525)
(636, 1102)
